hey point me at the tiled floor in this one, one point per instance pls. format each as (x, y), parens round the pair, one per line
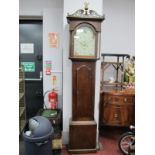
(108, 143)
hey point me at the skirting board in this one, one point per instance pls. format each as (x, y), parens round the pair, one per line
(82, 150)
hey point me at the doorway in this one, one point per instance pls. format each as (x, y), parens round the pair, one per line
(30, 58)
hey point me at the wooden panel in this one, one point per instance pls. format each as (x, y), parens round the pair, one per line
(131, 111)
(83, 90)
(128, 99)
(118, 115)
(112, 114)
(74, 24)
(82, 135)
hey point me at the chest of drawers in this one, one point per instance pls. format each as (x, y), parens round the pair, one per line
(117, 107)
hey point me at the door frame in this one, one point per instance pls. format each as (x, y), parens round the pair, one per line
(31, 18)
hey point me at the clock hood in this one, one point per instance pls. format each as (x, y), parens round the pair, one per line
(85, 15)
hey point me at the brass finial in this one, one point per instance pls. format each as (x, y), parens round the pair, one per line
(86, 3)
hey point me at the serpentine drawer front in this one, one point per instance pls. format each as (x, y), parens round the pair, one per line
(113, 99)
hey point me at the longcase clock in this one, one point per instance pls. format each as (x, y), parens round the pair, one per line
(85, 30)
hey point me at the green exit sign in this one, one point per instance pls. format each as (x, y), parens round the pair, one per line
(28, 66)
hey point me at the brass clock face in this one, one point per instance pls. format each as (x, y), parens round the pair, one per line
(84, 42)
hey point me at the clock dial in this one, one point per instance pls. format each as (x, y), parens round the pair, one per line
(84, 42)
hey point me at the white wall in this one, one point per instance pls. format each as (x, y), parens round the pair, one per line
(35, 7)
(118, 30)
(52, 54)
(119, 26)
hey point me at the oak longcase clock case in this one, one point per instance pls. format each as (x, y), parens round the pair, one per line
(85, 30)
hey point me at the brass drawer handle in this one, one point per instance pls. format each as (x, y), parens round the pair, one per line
(115, 115)
(109, 98)
(125, 99)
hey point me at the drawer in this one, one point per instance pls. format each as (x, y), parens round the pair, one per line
(112, 98)
(118, 100)
(115, 100)
(112, 114)
(117, 115)
(128, 99)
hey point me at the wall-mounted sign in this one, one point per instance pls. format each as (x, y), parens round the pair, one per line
(48, 67)
(54, 81)
(27, 48)
(28, 66)
(53, 40)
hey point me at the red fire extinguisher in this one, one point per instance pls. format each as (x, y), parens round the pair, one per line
(53, 99)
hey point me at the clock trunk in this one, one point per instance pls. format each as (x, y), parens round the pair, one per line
(83, 78)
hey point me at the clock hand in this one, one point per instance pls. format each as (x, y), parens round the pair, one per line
(82, 43)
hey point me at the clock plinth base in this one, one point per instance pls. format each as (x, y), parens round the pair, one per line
(78, 151)
(82, 137)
